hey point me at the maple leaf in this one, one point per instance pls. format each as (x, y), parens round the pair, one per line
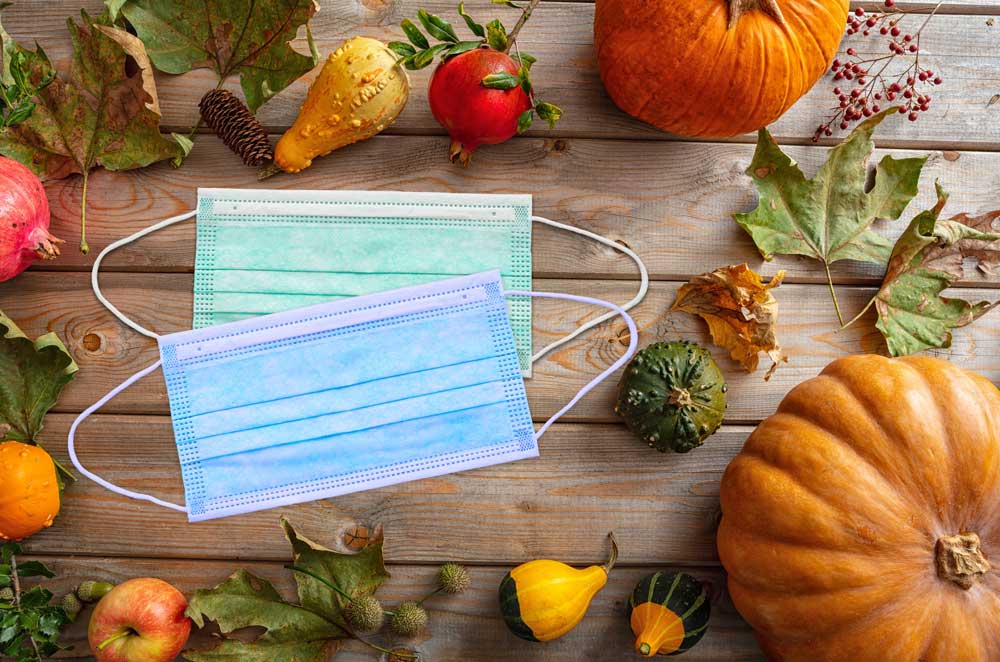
(303, 632)
(829, 217)
(927, 259)
(740, 310)
(101, 114)
(245, 37)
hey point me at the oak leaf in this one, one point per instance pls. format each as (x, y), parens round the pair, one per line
(928, 258)
(740, 310)
(829, 217)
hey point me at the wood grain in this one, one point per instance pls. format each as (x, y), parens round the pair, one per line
(108, 352)
(462, 627)
(589, 479)
(667, 201)
(560, 35)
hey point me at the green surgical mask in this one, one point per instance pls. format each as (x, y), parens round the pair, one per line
(268, 251)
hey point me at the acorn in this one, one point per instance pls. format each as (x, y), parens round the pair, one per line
(409, 619)
(454, 578)
(72, 606)
(365, 614)
(7, 594)
(91, 591)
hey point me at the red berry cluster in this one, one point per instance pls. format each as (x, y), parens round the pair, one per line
(869, 82)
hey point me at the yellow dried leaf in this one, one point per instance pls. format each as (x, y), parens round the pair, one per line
(740, 310)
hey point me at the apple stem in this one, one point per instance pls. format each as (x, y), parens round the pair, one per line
(115, 637)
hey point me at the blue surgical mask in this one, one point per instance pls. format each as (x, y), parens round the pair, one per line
(345, 396)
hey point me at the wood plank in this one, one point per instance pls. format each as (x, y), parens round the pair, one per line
(561, 37)
(108, 352)
(667, 201)
(589, 479)
(462, 627)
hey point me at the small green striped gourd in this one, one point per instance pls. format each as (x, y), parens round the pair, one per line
(543, 600)
(668, 613)
(672, 395)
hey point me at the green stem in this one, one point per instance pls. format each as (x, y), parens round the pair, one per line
(859, 315)
(384, 650)
(324, 581)
(128, 632)
(84, 248)
(833, 292)
(430, 595)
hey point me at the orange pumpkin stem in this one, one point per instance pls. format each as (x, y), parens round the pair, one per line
(960, 559)
(739, 7)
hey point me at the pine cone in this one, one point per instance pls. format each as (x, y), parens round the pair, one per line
(236, 126)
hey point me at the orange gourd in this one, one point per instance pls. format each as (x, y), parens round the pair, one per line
(861, 521)
(29, 490)
(714, 68)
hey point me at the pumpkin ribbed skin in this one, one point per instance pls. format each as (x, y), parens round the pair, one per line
(29, 490)
(677, 64)
(842, 504)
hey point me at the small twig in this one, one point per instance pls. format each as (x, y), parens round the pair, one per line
(17, 601)
(859, 315)
(525, 15)
(430, 595)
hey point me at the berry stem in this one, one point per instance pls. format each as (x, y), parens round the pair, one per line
(525, 15)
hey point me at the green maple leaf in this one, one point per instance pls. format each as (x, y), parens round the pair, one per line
(357, 575)
(101, 114)
(291, 632)
(245, 37)
(302, 632)
(32, 374)
(927, 259)
(829, 217)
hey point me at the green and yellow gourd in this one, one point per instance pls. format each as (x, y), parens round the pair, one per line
(668, 613)
(543, 600)
(673, 396)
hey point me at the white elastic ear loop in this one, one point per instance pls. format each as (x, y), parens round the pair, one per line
(633, 345)
(640, 295)
(118, 244)
(71, 444)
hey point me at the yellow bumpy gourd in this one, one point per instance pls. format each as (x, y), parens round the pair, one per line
(543, 600)
(360, 91)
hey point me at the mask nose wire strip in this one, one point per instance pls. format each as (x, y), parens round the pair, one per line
(640, 295)
(633, 345)
(118, 244)
(71, 444)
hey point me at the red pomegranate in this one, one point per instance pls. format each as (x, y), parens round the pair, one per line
(473, 114)
(24, 220)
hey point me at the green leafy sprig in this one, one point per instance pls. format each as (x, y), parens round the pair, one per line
(16, 89)
(29, 624)
(420, 53)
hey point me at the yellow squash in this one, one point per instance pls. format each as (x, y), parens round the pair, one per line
(360, 91)
(543, 600)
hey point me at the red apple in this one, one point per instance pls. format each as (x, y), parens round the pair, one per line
(141, 620)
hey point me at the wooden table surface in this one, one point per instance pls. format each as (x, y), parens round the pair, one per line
(668, 199)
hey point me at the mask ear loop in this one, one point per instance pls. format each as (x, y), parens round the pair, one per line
(633, 345)
(71, 439)
(118, 244)
(640, 295)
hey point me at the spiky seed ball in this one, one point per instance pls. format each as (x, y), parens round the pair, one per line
(454, 578)
(409, 619)
(7, 594)
(91, 591)
(365, 614)
(72, 606)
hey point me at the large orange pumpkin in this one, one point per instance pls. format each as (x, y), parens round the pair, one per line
(29, 490)
(714, 68)
(860, 521)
